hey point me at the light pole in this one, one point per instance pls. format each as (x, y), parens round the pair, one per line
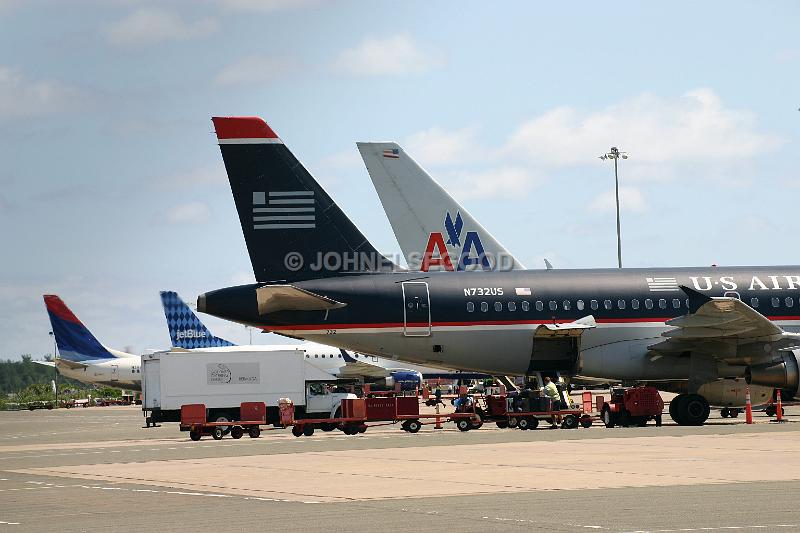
(615, 154)
(55, 365)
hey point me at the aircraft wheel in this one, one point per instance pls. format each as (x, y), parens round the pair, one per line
(254, 432)
(734, 413)
(694, 410)
(771, 410)
(725, 412)
(237, 432)
(676, 408)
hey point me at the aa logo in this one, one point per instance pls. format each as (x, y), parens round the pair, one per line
(470, 254)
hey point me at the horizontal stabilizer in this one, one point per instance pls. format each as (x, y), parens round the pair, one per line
(75, 365)
(46, 363)
(274, 298)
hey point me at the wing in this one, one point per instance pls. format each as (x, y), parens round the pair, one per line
(272, 298)
(354, 368)
(723, 326)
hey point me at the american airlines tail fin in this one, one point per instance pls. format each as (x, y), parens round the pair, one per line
(75, 342)
(434, 231)
(185, 329)
(290, 223)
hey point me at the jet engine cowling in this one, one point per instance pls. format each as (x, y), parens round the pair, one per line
(408, 379)
(781, 374)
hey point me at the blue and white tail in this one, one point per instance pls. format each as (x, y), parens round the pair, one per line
(185, 329)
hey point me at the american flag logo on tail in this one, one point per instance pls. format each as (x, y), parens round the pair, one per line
(393, 153)
(284, 210)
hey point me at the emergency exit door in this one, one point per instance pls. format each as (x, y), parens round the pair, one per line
(416, 309)
(114, 372)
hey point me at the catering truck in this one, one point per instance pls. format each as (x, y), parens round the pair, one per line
(222, 378)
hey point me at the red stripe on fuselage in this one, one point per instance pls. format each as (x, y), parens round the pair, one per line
(59, 308)
(384, 325)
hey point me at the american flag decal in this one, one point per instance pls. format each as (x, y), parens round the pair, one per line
(393, 153)
(662, 284)
(284, 210)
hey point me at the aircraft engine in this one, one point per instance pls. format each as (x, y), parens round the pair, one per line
(782, 374)
(408, 379)
(732, 392)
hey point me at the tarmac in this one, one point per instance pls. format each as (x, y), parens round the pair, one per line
(97, 469)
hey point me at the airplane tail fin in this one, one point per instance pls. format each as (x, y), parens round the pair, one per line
(185, 329)
(289, 221)
(426, 220)
(75, 342)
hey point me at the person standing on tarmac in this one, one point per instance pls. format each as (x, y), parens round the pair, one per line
(551, 391)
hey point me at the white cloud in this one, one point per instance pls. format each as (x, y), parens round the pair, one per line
(631, 200)
(396, 55)
(253, 70)
(267, 6)
(189, 213)
(21, 97)
(149, 26)
(695, 127)
(436, 146)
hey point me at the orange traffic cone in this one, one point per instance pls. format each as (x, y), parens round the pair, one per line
(779, 412)
(438, 420)
(748, 406)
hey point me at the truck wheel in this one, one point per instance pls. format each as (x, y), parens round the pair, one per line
(297, 431)
(237, 432)
(217, 432)
(734, 413)
(586, 421)
(608, 419)
(414, 426)
(327, 427)
(502, 424)
(524, 423)
(195, 435)
(308, 430)
(513, 421)
(570, 422)
(725, 412)
(476, 422)
(464, 424)
(362, 428)
(254, 432)
(533, 422)
(770, 410)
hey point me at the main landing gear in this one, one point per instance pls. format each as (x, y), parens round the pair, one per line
(689, 409)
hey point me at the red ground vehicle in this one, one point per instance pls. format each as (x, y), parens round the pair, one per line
(497, 410)
(632, 407)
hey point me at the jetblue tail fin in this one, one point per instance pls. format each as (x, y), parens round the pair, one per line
(185, 329)
(75, 342)
(289, 221)
(426, 220)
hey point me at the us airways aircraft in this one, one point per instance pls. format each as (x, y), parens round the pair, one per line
(82, 357)
(319, 278)
(187, 331)
(429, 223)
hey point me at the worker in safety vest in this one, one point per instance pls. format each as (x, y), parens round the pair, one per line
(551, 391)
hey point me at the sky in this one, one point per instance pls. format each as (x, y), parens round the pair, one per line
(112, 187)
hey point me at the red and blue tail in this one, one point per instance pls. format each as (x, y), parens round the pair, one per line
(75, 342)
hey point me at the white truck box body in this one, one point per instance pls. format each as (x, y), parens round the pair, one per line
(225, 377)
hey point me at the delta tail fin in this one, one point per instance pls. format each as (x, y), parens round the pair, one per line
(289, 221)
(75, 342)
(434, 231)
(185, 329)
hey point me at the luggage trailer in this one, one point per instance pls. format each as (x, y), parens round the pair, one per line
(496, 409)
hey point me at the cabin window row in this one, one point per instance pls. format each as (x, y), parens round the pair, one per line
(776, 302)
(581, 305)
